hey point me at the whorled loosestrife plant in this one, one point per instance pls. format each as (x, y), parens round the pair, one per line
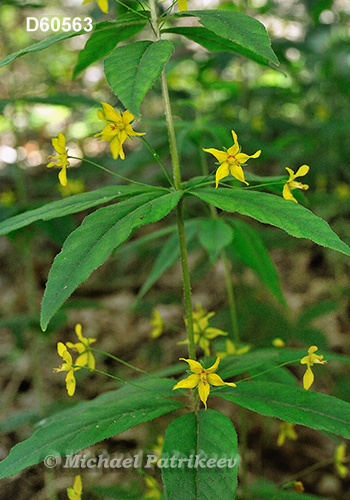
(130, 70)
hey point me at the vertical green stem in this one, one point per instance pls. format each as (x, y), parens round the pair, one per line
(228, 280)
(177, 182)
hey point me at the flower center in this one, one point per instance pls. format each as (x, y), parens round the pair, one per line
(118, 126)
(232, 160)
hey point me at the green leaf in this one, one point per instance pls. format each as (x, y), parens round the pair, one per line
(51, 40)
(292, 404)
(203, 436)
(91, 244)
(234, 365)
(102, 43)
(250, 249)
(214, 236)
(270, 209)
(87, 423)
(131, 70)
(215, 43)
(168, 256)
(69, 205)
(246, 33)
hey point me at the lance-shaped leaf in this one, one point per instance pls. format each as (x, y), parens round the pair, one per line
(90, 245)
(270, 209)
(207, 443)
(87, 423)
(131, 70)
(51, 40)
(246, 33)
(103, 42)
(292, 404)
(70, 205)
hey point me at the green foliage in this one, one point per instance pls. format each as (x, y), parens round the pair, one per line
(292, 404)
(208, 435)
(214, 236)
(269, 209)
(73, 429)
(91, 244)
(103, 42)
(69, 205)
(131, 70)
(248, 35)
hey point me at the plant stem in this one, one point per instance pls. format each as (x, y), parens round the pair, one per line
(177, 182)
(224, 259)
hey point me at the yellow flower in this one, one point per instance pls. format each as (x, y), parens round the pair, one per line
(298, 487)
(286, 431)
(67, 366)
(153, 490)
(75, 492)
(277, 342)
(59, 145)
(85, 358)
(103, 4)
(339, 459)
(202, 378)
(232, 349)
(292, 184)
(117, 130)
(309, 360)
(203, 333)
(157, 324)
(182, 4)
(231, 161)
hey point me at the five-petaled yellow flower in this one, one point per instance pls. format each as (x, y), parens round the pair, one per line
(117, 130)
(292, 184)
(59, 145)
(203, 333)
(75, 492)
(309, 360)
(85, 358)
(231, 161)
(203, 378)
(103, 4)
(286, 431)
(67, 366)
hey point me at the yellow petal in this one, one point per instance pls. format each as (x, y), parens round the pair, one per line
(221, 156)
(203, 391)
(195, 367)
(61, 348)
(103, 4)
(237, 172)
(115, 147)
(212, 333)
(61, 142)
(287, 194)
(100, 115)
(70, 382)
(188, 383)
(111, 113)
(308, 378)
(291, 174)
(214, 367)
(78, 486)
(62, 176)
(78, 331)
(127, 117)
(222, 172)
(182, 4)
(242, 157)
(303, 170)
(216, 380)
